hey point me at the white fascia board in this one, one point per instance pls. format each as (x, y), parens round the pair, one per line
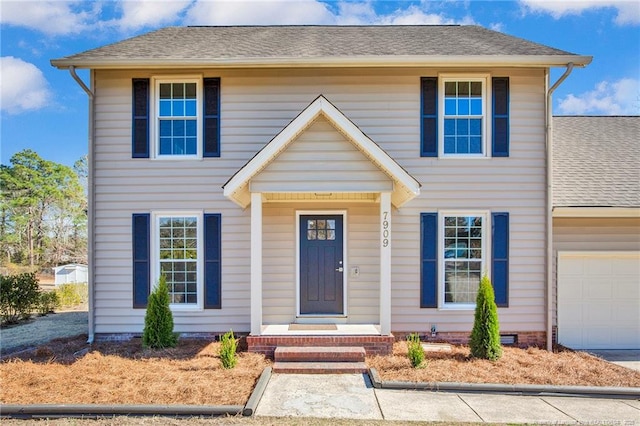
(541, 61)
(605, 212)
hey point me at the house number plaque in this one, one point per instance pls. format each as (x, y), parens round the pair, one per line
(386, 232)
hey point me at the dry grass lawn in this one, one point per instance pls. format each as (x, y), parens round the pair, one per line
(517, 366)
(124, 372)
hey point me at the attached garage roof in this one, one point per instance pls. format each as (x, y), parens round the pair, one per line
(596, 161)
(264, 46)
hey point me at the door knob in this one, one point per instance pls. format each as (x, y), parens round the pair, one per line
(340, 269)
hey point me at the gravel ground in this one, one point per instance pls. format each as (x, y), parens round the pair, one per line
(39, 330)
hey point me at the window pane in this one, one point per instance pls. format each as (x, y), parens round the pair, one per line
(450, 88)
(449, 145)
(463, 107)
(450, 106)
(462, 127)
(178, 108)
(449, 127)
(322, 234)
(178, 91)
(321, 224)
(165, 91)
(463, 89)
(190, 90)
(476, 106)
(462, 145)
(331, 234)
(331, 224)
(475, 145)
(192, 146)
(190, 108)
(475, 127)
(165, 146)
(165, 108)
(476, 88)
(178, 128)
(462, 258)
(311, 234)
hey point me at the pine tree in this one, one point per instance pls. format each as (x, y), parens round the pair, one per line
(485, 336)
(158, 321)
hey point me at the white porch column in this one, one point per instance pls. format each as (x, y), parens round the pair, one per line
(256, 263)
(385, 263)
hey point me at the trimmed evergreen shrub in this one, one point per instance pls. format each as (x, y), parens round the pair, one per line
(228, 347)
(158, 320)
(416, 352)
(485, 336)
(19, 295)
(48, 302)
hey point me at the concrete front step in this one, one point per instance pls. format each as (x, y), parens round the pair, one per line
(319, 354)
(319, 367)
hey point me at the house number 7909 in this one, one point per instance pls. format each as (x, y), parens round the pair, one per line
(385, 229)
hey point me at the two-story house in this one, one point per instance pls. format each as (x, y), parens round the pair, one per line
(307, 182)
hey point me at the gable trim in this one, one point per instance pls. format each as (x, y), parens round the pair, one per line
(403, 181)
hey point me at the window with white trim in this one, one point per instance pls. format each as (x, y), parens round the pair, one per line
(464, 115)
(179, 256)
(178, 118)
(464, 256)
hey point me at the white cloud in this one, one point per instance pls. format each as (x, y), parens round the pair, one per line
(149, 13)
(50, 17)
(628, 11)
(620, 97)
(259, 12)
(22, 86)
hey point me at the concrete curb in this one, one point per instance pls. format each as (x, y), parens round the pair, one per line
(258, 391)
(538, 390)
(99, 410)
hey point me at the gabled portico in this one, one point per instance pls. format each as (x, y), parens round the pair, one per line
(321, 158)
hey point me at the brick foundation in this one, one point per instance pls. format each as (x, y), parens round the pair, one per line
(524, 338)
(373, 345)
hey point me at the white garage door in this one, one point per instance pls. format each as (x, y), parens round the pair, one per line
(599, 300)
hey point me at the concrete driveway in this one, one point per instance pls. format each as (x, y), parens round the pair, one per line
(626, 358)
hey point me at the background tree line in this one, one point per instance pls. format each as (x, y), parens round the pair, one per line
(43, 204)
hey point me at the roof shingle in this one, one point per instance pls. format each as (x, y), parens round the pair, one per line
(596, 161)
(235, 43)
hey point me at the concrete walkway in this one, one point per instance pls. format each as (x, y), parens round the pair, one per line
(351, 396)
(623, 357)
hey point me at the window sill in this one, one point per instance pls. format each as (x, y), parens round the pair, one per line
(457, 307)
(176, 309)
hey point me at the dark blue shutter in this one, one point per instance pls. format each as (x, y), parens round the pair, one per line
(429, 116)
(212, 256)
(500, 145)
(140, 120)
(141, 258)
(500, 257)
(211, 133)
(429, 260)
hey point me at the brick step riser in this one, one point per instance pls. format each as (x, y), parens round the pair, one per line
(319, 354)
(319, 368)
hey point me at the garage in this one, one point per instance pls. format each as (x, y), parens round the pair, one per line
(599, 300)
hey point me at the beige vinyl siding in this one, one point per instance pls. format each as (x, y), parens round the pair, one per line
(318, 153)
(255, 106)
(592, 234)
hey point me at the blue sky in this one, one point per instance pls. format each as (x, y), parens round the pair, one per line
(43, 108)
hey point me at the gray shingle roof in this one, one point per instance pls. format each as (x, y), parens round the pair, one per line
(233, 44)
(596, 161)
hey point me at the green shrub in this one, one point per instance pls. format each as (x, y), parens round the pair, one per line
(158, 320)
(416, 352)
(485, 336)
(228, 347)
(19, 294)
(72, 294)
(48, 302)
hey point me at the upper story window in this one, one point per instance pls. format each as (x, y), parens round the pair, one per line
(176, 118)
(464, 116)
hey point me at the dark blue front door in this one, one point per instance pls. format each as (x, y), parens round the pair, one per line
(321, 265)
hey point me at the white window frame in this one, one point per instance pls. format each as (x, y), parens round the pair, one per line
(485, 79)
(486, 256)
(154, 129)
(155, 256)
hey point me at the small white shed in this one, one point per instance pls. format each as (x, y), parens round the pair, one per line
(71, 273)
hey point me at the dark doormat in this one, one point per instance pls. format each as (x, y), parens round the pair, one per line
(312, 327)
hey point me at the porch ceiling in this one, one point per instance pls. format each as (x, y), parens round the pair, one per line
(404, 186)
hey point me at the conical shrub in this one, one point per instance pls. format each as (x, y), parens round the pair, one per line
(158, 321)
(485, 336)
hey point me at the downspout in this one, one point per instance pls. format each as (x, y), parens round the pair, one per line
(549, 165)
(90, 199)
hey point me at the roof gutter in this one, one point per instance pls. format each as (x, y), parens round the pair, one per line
(328, 62)
(90, 200)
(549, 210)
